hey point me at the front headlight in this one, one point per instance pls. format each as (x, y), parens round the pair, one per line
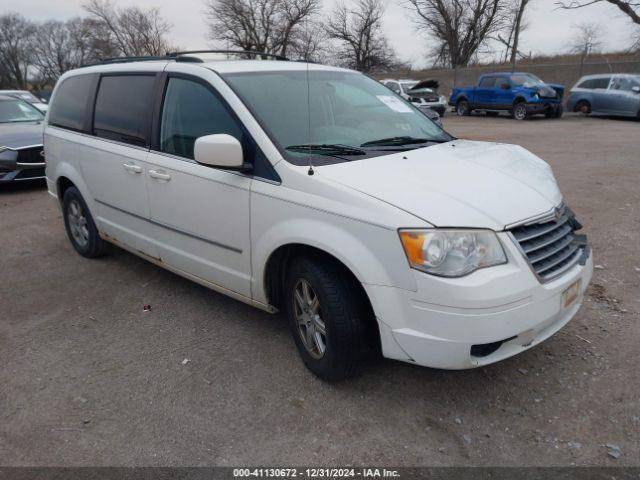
(452, 253)
(443, 99)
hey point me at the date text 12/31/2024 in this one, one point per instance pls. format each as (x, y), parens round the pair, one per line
(315, 473)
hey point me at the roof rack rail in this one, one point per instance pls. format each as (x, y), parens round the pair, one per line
(185, 56)
(108, 61)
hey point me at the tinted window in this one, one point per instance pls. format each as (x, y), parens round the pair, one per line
(595, 83)
(487, 82)
(69, 105)
(190, 111)
(123, 108)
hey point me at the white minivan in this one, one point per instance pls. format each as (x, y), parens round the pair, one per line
(317, 191)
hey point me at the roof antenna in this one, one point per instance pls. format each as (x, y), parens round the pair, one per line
(311, 172)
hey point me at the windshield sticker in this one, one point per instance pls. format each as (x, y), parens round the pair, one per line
(395, 104)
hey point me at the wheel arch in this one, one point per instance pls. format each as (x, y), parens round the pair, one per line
(275, 273)
(519, 99)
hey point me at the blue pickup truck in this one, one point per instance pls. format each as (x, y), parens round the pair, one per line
(520, 94)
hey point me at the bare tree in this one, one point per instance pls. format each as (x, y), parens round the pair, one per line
(271, 26)
(60, 46)
(358, 31)
(131, 30)
(459, 27)
(631, 8)
(586, 40)
(514, 25)
(15, 56)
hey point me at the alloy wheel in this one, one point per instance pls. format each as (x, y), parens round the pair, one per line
(311, 327)
(520, 112)
(78, 223)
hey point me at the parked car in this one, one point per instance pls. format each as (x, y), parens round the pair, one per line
(432, 115)
(20, 141)
(27, 96)
(422, 94)
(607, 94)
(329, 199)
(521, 94)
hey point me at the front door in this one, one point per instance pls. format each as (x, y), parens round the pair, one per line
(201, 213)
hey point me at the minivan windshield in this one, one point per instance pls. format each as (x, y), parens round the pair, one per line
(14, 110)
(338, 114)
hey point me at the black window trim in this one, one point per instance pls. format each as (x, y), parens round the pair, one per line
(160, 93)
(147, 132)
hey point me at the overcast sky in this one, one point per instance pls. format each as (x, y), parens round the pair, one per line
(549, 29)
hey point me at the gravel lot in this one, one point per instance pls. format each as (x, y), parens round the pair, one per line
(87, 378)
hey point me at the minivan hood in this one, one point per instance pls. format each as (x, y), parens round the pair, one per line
(457, 184)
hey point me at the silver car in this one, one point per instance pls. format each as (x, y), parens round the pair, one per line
(607, 94)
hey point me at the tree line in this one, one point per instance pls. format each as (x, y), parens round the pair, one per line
(350, 35)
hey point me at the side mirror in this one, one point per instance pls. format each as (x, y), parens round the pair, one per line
(505, 86)
(635, 89)
(223, 151)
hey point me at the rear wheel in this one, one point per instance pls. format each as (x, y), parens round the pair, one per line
(80, 227)
(326, 318)
(583, 107)
(520, 111)
(462, 108)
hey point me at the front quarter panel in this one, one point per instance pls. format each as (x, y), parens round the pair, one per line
(358, 230)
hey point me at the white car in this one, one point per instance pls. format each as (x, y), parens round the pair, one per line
(27, 96)
(419, 93)
(312, 190)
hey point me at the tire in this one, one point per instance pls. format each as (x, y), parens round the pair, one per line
(583, 106)
(519, 111)
(80, 227)
(559, 111)
(462, 108)
(332, 307)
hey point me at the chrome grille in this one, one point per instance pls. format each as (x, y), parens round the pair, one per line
(550, 245)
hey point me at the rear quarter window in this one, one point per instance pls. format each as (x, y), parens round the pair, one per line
(123, 108)
(69, 106)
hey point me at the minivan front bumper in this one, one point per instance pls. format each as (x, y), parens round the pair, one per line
(468, 322)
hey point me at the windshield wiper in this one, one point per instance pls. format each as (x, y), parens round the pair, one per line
(327, 149)
(401, 141)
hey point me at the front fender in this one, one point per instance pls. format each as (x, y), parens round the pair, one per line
(380, 260)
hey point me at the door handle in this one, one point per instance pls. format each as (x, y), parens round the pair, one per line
(132, 168)
(159, 175)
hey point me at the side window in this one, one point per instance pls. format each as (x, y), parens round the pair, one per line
(601, 82)
(623, 83)
(190, 111)
(394, 86)
(501, 81)
(123, 108)
(487, 82)
(69, 106)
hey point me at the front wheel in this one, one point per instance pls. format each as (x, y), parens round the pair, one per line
(582, 107)
(520, 111)
(326, 318)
